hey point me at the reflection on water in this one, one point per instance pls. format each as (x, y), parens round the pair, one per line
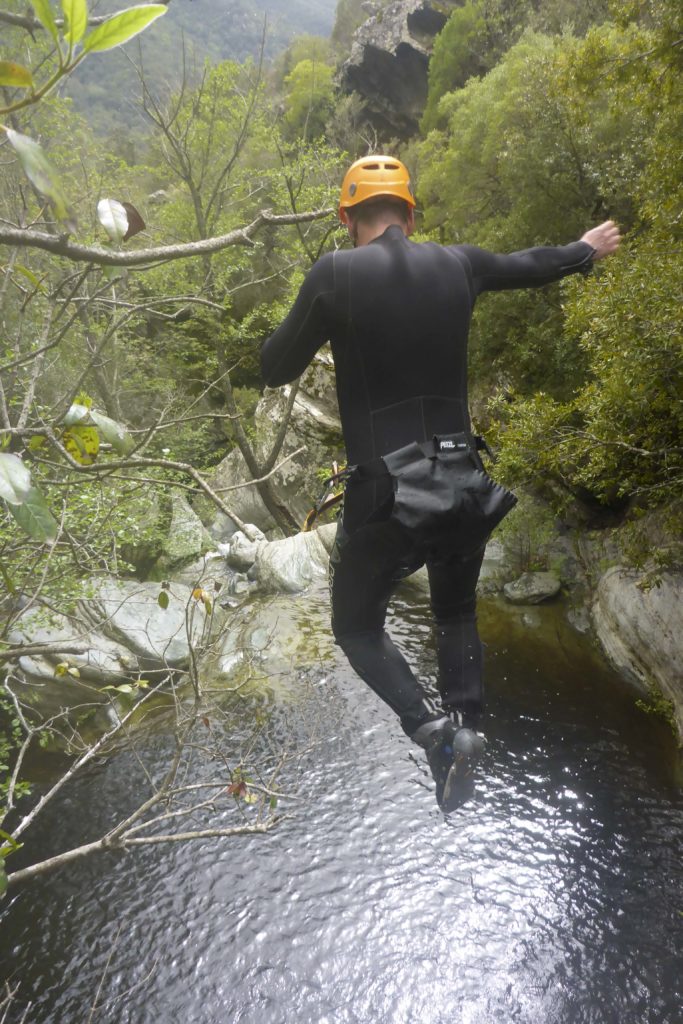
(554, 897)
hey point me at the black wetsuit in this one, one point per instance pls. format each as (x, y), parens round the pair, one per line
(397, 314)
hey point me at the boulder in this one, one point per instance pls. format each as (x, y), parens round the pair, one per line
(243, 550)
(314, 427)
(292, 564)
(186, 538)
(129, 613)
(532, 588)
(389, 61)
(640, 631)
(103, 660)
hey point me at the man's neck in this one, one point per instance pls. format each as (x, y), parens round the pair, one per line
(367, 233)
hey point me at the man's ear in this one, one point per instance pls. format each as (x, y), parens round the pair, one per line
(410, 220)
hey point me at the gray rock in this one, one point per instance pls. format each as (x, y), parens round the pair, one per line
(187, 537)
(243, 550)
(532, 588)
(292, 564)
(223, 528)
(389, 62)
(129, 613)
(103, 660)
(640, 631)
(314, 427)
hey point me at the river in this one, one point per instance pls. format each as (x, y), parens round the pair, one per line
(555, 896)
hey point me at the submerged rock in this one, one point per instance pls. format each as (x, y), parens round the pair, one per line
(532, 588)
(268, 639)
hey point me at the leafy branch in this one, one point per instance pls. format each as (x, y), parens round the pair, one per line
(72, 45)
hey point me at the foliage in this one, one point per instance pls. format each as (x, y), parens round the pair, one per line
(527, 534)
(71, 46)
(586, 377)
(479, 32)
(310, 98)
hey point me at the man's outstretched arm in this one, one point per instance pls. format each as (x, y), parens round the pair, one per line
(541, 265)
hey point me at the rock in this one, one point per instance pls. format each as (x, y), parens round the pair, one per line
(389, 61)
(187, 537)
(129, 613)
(103, 661)
(269, 639)
(314, 427)
(292, 564)
(211, 572)
(223, 528)
(532, 588)
(640, 631)
(243, 550)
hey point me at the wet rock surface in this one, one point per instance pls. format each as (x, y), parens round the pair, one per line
(641, 629)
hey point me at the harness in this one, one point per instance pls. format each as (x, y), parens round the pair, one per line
(428, 479)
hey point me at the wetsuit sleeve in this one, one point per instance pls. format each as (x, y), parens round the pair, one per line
(287, 353)
(528, 268)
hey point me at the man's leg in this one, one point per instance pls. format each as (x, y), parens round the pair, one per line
(453, 583)
(364, 568)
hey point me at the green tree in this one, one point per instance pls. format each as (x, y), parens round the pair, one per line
(309, 99)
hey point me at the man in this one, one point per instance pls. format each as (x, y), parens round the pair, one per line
(397, 315)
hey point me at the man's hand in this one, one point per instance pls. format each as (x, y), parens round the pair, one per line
(605, 239)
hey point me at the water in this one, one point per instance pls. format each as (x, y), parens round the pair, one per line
(554, 897)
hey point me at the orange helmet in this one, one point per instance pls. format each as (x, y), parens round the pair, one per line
(375, 176)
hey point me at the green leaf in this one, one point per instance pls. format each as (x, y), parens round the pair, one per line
(15, 479)
(163, 599)
(15, 75)
(30, 276)
(122, 27)
(42, 174)
(112, 432)
(76, 14)
(34, 517)
(45, 17)
(13, 844)
(3, 879)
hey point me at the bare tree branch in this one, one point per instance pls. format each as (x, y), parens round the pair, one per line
(61, 246)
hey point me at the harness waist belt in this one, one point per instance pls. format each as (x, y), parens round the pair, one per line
(440, 444)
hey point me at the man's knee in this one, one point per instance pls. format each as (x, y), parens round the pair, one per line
(455, 612)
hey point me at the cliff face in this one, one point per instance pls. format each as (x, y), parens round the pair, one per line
(389, 61)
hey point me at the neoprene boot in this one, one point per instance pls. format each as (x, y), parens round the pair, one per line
(452, 754)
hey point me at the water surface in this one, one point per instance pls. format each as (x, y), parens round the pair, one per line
(554, 897)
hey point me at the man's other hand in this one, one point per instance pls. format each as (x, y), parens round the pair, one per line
(605, 239)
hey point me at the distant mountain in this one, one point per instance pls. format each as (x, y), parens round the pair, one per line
(105, 87)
